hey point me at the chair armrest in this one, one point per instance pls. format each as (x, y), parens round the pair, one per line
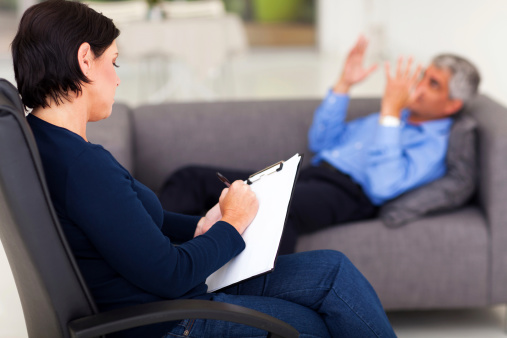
(151, 313)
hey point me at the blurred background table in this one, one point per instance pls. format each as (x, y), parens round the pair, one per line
(202, 43)
(179, 48)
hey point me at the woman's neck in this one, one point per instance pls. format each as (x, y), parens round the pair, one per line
(71, 115)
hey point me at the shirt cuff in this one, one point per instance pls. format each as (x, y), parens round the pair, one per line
(224, 229)
(332, 109)
(333, 98)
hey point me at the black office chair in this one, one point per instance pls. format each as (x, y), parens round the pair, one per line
(55, 299)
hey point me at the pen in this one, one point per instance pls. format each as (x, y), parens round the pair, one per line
(223, 179)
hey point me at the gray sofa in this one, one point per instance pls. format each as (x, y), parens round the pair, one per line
(452, 259)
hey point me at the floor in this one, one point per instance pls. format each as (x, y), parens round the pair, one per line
(268, 73)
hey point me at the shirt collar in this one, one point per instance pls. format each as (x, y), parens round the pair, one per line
(442, 124)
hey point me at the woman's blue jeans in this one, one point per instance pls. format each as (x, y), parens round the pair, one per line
(320, 293)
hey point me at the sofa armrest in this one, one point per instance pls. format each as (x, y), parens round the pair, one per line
(491, 118)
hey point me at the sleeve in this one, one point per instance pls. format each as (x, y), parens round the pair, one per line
(180, 228)
(328, 122)
(102, 202)
(393, 168)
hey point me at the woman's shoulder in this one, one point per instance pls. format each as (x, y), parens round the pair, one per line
(65, 150)
(94, 157)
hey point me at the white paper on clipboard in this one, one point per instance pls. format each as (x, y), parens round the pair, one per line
(273, 187)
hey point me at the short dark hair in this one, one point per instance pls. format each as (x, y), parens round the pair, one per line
(45, 49)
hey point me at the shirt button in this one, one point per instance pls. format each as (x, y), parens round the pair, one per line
(186, 333)
(332, 100)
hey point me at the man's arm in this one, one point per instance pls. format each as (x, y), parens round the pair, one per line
(394, 168)
(328, 122)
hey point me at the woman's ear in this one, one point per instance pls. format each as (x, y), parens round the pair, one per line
(85, 57)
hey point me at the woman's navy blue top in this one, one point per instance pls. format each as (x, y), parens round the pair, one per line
(119, 233)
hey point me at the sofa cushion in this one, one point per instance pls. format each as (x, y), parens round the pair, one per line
(452, 190)
(438, 261)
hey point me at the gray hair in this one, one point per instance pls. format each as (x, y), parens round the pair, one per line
(465, 77)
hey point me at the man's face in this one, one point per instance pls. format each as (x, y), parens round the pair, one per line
(430, 99)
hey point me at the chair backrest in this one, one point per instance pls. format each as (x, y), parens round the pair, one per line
(49, 284)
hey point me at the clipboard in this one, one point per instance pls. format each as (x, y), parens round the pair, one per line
(274, 187)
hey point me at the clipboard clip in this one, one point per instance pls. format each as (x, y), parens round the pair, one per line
(266, 171)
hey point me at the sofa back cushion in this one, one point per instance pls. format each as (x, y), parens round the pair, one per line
(115, 135)
(240, 135)
(154, 140)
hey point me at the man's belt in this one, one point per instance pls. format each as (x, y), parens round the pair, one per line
(325, 164)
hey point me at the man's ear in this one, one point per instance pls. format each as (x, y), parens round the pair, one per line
(453, 106)
(85, 58)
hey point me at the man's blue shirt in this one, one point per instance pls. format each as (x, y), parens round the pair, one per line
(385, 161)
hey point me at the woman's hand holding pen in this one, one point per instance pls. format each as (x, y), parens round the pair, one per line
(238, 205)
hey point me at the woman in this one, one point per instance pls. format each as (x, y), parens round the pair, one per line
(64, 61)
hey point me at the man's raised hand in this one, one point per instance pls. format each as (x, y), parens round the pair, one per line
(399, 87)
(354, 70)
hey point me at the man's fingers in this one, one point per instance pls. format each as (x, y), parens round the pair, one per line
(354, 48)
(398, 66)
(362, 43)
(409, 66)
(387, 68)
(416, 74)
(360, 46)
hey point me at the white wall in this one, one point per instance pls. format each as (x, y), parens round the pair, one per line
(23, 6)
(474, 29)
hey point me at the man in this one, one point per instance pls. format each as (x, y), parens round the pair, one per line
(358, 165)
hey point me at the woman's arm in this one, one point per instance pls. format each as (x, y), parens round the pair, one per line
(179, 228)
(102, 202)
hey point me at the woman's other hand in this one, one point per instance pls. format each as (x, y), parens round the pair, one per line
(205, 223)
